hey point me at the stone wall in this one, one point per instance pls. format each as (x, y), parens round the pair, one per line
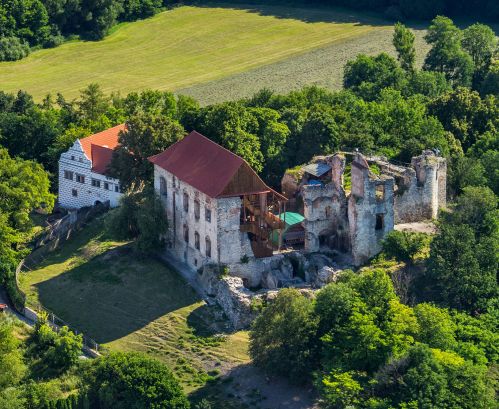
(325, 212)
(75, 161)
(370, 211)
(172, 195)
(421, 192)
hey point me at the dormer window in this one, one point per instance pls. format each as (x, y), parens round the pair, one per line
(72, 157)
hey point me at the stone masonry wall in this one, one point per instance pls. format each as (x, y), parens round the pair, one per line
(173, 199)
(325, 210)
(423, 191)
(370, 216)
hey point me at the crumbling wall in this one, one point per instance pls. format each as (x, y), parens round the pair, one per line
(325, 210)
(424, 191)
(370, 211)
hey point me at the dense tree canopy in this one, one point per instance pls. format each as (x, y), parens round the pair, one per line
(369, 350)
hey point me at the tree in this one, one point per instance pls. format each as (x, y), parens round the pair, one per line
(367, 76)
(465, 171)
(93, 103)
(145, 135)
(64, 353)
(133, 380)
(12, 367)
(403, 41)
(467, 116)
(462, 270)
(490, 84)
(437, 329)
(24, 186)
(480, 42)
(140, 216)
(446, 54)
(282, 337)
(233, 126)
(319, 134)
(12, 49)
(403, 245)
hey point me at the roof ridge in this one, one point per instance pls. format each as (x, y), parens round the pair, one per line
(217, 144)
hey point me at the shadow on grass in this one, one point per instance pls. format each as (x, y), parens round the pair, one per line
(299, 10)
(208, 320)
(115, 294)
(245, 386)
(317, 13)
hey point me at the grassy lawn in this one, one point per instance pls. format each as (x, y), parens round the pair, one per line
(103, 289)
(182, 47)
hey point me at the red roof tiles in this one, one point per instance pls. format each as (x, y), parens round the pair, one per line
(99, 147)
(206, 166)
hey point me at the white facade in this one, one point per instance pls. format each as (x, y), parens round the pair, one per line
(79, 186)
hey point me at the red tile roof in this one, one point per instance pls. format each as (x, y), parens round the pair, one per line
(99, 147)
(201, 163)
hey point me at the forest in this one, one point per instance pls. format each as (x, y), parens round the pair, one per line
(361, 341)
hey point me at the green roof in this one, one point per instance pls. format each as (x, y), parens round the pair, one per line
(291, 218)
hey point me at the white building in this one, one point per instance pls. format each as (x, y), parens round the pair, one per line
(217, 206)
(82, 171)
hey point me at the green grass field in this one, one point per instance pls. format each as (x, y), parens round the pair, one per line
(183, 47)
(101, 288)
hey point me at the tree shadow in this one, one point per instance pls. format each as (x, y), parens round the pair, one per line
(209, 320)
(297, 10)
(247, 386)
(115, 294)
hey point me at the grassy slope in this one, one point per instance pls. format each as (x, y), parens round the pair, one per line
(102, 289)
(179, 48)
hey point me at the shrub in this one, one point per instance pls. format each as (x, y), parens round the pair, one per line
(403, 245)
(12, 49)
(133, 380)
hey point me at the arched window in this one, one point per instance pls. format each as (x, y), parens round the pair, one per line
(197, 208)
(162, 186)
(186, 233)
(196, 240)
(208, 246)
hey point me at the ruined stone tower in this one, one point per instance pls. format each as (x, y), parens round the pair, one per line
(370, 210)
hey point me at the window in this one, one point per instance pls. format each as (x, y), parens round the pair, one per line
(379, 221)
(328, 211)
(74, 192)
(207, 214)
(196, 240)
(72, 157)
(208, 246)
(80, 159)
(162, 186)
(95, 183)
(380, 193)
(173, 181)
(197, 208)
(186, 233)
(68, 175)
(186, 202)
(80, 178)
(116, 188)
(106, 185)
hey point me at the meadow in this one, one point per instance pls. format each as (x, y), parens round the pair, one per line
(126, 303)
(185, 47)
